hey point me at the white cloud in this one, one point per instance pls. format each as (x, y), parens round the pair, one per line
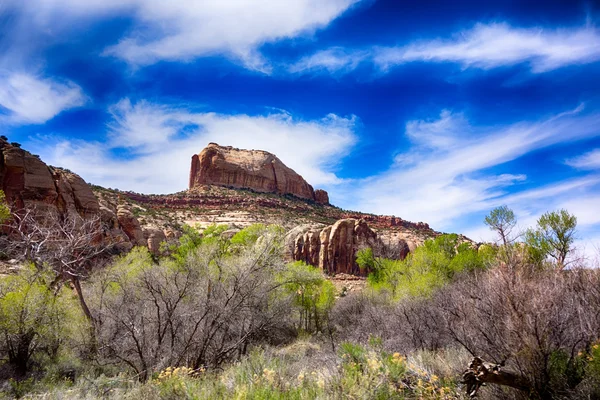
(335, 59)
(588, 161)
(484, 46)
(164, 138)
(34, 100)
(495, 45)
(443, 133)
(181, 30)
(448, 174)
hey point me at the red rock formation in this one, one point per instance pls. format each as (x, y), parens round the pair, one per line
(131, 226)
(333, 249)
(321, 196)
(28, 182)
(249, 169)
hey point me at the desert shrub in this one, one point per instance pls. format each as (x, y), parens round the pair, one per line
(200, 313)
(543, 327)
(408, 325)
(534, 325)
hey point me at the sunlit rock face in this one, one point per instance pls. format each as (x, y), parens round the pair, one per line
(333, 248)
(249, 169)
(28, 182)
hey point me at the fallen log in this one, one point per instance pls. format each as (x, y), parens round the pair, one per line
(480, 372)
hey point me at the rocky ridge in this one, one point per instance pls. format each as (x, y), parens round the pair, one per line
(319, 234)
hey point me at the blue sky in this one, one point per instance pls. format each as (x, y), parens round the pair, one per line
(435, 112)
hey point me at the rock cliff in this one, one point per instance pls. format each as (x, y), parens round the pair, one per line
(333, 248)
(249, 169)
(321, 235)
(29, 183)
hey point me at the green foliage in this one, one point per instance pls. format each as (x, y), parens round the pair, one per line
(131, 265)
(192, 238)
(248, 236)
(36, 323)
(4, 209)
(313, 294)
(427, 268)
(366, 259)
(553, 236)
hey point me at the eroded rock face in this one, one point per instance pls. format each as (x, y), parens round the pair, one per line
(130, 225)
(321, 196)
(28, 182)
(249, 169)
(333, 248)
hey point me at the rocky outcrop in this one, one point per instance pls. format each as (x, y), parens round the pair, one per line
(29, 183)
(154, 237)
(249, 169)
(321, 196)
(332, 248)
(130, 225)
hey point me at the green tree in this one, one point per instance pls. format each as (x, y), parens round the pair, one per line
(192, 238)
(312, 293)
(35, 321)
(428, 267)
(502, 220)
(554, 236)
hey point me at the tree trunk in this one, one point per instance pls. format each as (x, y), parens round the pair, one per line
(86, 312)
(84, 306)
(480, 372)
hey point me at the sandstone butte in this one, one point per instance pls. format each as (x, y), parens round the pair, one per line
(258, 170)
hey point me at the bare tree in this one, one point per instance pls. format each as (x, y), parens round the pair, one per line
(199, 313)
(67, 243)
(526, 324)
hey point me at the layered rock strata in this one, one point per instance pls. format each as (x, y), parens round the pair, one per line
(258, 170)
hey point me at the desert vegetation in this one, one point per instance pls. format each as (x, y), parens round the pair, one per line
(220, 316)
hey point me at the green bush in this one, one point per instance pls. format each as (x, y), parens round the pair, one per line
(37, 323)
(427, 268)
(312, 293)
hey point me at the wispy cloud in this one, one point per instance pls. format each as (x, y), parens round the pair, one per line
(161, 140)
(446, 173)
(181, 30)
(496, 45)
(484, 46)
(28, 99)
(333, 60)
(587, 161)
